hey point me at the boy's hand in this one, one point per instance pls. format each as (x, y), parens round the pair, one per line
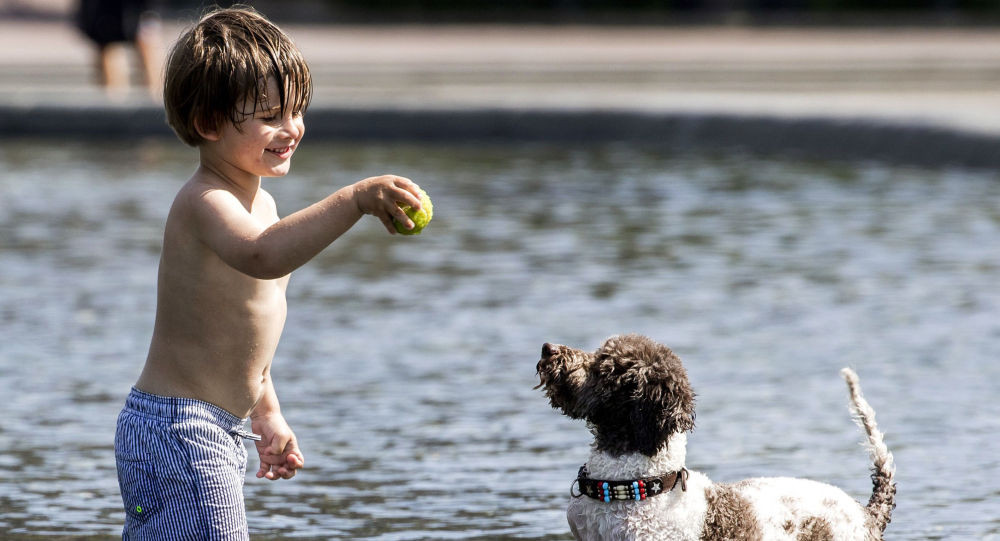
(379, 196)
(279, 453)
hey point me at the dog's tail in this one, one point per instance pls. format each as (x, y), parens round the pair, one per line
(883, 499)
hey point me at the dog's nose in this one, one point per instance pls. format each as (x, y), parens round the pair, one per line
(544, 364)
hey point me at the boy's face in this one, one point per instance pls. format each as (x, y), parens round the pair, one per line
(263, 144)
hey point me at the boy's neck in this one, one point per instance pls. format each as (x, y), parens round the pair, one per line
(240, 182)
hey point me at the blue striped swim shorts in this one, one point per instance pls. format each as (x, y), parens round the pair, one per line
(181, 466)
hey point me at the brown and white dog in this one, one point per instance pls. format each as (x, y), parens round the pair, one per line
(636, 399)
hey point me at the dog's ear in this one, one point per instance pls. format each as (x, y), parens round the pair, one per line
(664, 405)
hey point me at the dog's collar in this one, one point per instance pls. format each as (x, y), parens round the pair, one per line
(635, 489)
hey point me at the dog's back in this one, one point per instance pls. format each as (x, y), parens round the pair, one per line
(805, 509)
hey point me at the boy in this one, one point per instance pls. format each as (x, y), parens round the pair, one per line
(236, 88)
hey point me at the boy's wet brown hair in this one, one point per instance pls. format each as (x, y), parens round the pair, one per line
(222, 61)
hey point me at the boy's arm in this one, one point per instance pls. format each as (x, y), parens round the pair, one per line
(273, 251)
(278, 449)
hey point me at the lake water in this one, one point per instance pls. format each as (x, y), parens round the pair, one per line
(407, 363)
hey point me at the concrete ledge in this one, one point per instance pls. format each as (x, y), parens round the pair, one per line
(819, 138)
(71, 121)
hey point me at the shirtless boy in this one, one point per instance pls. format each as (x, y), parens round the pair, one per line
(236, 88)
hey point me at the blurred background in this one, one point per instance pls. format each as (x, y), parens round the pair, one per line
(934, 64)
(590, 11)
(774, 189)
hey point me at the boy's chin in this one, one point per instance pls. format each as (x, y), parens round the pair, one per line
(277, 172)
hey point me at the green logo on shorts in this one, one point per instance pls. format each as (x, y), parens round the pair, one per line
(138, 509)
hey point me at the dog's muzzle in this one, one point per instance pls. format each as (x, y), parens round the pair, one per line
(541, 369)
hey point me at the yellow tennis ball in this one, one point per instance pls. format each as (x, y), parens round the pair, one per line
(420, 217)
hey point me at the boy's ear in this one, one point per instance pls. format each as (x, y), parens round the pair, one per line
(206, 133)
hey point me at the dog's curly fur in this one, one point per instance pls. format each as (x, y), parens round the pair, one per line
(635, 396)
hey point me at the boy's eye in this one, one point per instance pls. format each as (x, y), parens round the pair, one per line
(275, 118)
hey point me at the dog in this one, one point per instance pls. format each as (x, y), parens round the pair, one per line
(635, 396)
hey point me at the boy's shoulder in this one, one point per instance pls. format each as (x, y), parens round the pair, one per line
(193, 193)
(207, 202)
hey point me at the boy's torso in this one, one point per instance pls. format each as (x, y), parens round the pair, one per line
(216, 328)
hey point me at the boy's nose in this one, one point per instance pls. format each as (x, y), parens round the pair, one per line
(294, 126)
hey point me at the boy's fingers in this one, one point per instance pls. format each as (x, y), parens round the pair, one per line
(275, 471)
(411, 197)
(399, 215)
(395, 214)
(406, 191)
(403, 219)
(387, 222)
(404, 182)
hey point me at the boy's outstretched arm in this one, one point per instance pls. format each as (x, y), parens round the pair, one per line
(273, 250)
(278, 449)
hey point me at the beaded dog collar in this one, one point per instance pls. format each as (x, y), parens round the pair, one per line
(637, 489)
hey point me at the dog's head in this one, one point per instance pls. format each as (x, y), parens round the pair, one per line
(633, 392)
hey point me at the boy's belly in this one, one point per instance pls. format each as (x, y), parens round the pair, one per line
(231, 390)
(224, 361)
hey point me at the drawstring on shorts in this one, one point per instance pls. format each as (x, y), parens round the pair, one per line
(245, 434)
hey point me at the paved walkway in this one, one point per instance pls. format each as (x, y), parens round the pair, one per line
(948, 78)
(938, 78)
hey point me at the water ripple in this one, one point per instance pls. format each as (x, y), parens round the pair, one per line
(407, 363)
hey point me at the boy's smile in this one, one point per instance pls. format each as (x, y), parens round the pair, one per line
(284, 152)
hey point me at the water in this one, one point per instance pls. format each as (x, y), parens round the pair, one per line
(407, 364)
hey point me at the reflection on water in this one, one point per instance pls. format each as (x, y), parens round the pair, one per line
(407, 363)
